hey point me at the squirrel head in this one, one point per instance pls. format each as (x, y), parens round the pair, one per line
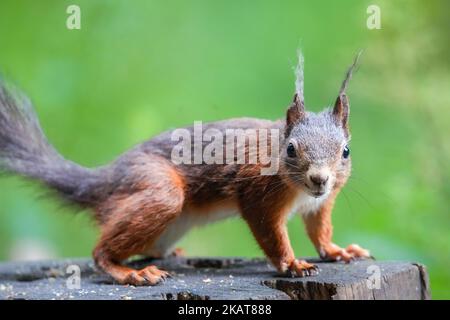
(316, 154)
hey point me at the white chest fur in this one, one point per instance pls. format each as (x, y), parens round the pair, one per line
(306, 204)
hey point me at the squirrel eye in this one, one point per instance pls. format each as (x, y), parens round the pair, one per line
(291, 150)
(346, 152)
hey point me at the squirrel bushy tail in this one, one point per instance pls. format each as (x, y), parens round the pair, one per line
(24, 150)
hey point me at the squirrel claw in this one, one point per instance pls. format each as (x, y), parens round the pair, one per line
(350, 259)
(301, 268)
(148, 276)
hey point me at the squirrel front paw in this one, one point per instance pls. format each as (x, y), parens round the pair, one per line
(301, 268)
(336, 253)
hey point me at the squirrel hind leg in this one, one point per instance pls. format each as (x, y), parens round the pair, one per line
(135, 222)
(128, 234)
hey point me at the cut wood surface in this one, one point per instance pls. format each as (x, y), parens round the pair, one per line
(217, 278)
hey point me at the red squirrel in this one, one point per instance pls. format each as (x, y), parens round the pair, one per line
(144, 202)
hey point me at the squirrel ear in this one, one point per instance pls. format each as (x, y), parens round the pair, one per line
(341, 110)
(295, 114)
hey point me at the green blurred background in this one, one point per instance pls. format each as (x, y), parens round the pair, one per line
(139, 67)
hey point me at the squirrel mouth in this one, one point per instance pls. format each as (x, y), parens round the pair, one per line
(317, 194)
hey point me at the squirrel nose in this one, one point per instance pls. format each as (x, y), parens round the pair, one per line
(318, 179)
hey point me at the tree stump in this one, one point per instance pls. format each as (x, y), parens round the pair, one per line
(216, 278)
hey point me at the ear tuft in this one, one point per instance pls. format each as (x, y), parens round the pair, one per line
(341, 108)
(296, 111)
(299, 77)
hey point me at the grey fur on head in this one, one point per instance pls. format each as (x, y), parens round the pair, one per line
(319, 137)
